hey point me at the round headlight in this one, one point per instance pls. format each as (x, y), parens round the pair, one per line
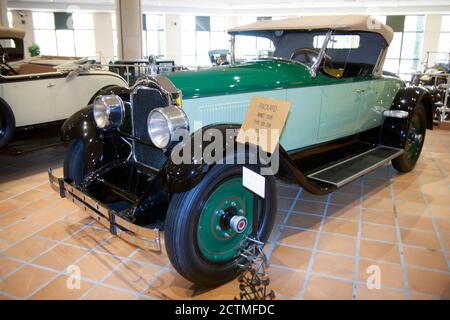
(163, 123)
(109, 111)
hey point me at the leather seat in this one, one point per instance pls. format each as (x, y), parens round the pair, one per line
(31, 68)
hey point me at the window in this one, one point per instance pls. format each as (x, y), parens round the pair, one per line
(443, 56)
(8, 43)
(10, 19)
(350, 41)
(248, 47)
(65, 34)
(403, 57)
(203, 40)
(220, 39)
(201, 34)
(115, 40)
(44, 32)
(153, 37)
(84, 35)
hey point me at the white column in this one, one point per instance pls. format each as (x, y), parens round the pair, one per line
(129, 29)
(23, 19)
(431, 36)
(104, 43)
(3, 13)
(173, 38)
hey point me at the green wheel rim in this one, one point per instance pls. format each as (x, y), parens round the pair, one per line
(415, 138)
(216, 243)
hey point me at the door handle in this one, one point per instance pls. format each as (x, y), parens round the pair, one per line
(50, 85)
(360, 91)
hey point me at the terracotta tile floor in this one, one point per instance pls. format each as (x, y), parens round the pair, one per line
(323, 247)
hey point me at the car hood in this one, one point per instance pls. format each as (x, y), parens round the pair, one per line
(256, 75)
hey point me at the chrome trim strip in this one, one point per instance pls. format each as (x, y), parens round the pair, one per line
(378, 69)
(316, 64)
(398, 114)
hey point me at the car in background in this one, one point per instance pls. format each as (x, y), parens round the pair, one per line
(44, 89)
(219, 57)
(435, 80)
(132, 70)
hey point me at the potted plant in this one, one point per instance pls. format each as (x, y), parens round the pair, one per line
(34, 50)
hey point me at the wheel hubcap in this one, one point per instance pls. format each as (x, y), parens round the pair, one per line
(238, 224)
(224, 221)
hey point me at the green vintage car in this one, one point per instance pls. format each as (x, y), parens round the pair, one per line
(347, 118)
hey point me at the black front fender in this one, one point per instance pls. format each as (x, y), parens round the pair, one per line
(80, 125)
(176, 177)
(99, 147)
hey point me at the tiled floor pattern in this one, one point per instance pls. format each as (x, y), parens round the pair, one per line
(321, 248)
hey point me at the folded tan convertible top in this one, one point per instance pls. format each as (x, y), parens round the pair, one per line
(6, 32)
(343, 22)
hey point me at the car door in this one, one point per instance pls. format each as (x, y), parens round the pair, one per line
(304, 117)
(30, 98)
(341, 103)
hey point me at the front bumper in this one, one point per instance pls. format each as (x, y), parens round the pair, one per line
(140, 236)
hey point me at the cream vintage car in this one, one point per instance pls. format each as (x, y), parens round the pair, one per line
(43, 89)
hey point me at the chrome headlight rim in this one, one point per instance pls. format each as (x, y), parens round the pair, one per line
(174, 119)
(108, 111)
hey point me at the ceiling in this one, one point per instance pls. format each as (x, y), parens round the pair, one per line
(251, 7)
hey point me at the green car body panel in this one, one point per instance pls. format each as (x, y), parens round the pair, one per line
(323, 108)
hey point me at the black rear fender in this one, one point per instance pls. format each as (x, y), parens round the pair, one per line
(394, 130)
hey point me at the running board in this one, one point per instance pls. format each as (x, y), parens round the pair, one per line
(351, 169)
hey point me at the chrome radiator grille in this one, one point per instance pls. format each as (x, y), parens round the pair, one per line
(143, 101)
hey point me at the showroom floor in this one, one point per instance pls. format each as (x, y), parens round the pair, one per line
(321, 248)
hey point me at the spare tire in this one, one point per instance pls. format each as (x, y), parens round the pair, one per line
(7, 123)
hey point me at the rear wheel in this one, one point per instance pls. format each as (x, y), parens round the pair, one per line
(206, 226)
(74, 162)
(7, 123)
(414, 141)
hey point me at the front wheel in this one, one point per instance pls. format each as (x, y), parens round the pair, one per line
(206, 226)
(414, 141)
(7, 123)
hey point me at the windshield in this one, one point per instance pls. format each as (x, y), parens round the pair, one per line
(8, 43)
(348, 54)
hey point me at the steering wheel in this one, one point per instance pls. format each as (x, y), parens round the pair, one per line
(309, 54)
(4, 66)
